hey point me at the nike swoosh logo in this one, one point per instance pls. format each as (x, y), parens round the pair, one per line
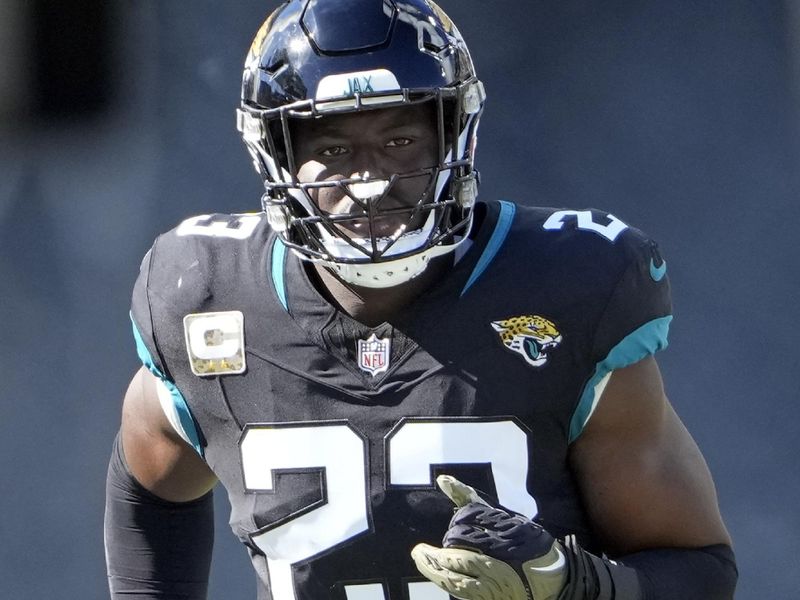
(657, 272)
(554, 566)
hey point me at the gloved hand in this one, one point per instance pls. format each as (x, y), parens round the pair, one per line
(490, 553)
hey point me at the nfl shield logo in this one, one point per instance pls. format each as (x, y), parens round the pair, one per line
(373, 354)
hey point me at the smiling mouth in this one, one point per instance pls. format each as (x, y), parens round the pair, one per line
(392, 217)
(386, 224)
(368, 190)
(383, 228)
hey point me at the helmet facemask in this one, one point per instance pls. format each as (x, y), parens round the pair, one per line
(356, 244)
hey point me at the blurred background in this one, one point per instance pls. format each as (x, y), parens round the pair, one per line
(117, 120)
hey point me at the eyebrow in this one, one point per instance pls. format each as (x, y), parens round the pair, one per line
(332, 128)
(335, 130)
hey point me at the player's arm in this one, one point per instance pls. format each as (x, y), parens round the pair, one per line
(648, 491)
(159, 519)
(157, 456)
(644, 481)
(649, 495)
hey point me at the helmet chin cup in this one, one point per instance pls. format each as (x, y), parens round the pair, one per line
(389, 273)
(381, 275)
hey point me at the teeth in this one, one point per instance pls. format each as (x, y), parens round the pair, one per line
(368, 189)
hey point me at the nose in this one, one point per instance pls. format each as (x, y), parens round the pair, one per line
(368, 168)
(366, 163)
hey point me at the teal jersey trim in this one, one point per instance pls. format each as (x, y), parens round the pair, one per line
(501, 229)
(644, 341)
(184, 414)
(278, 257)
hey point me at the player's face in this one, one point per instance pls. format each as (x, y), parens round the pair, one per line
(374, 145)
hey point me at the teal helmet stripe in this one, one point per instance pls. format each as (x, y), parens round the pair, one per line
(501, 229)
(187, 422)
(644, 341)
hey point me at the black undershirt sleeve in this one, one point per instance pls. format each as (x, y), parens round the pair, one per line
(707, 573)
(155, 549)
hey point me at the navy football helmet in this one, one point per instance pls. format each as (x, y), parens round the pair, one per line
(313, 58)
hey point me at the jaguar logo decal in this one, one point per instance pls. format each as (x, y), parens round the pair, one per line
(530, 336)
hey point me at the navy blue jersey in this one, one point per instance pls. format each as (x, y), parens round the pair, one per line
(328, 434)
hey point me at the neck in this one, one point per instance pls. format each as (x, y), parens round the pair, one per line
(373, 306)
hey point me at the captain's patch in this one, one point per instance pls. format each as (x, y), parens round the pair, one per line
(530, 336)
(373, 354)
(215, 342)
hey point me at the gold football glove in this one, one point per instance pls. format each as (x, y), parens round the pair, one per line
(490, 553)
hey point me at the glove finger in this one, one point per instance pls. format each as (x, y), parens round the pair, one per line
(437, 567)
(484, 516)
(469, 575)
(460, 493)
(492, 531)
(479, 524)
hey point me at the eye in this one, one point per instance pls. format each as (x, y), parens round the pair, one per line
(333, 151)
(399, 142)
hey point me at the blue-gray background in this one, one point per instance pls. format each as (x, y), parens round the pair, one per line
(680, 117)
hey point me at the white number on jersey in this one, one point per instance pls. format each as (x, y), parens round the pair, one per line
(238, 227)
(586, 222)
(339, 451)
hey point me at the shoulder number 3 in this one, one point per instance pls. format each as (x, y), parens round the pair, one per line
(412, 447)
(238, 227)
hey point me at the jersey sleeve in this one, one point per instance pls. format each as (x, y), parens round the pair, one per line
(634, 324)
(143, 322)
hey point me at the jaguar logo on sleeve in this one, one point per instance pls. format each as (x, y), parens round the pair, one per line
(215, 343)
(530, 336)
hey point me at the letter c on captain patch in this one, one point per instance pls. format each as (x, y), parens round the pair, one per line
(215, 343)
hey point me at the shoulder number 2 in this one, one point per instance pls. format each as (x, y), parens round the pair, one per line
(586, 222)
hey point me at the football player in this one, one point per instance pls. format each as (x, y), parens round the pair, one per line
(376, 348)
